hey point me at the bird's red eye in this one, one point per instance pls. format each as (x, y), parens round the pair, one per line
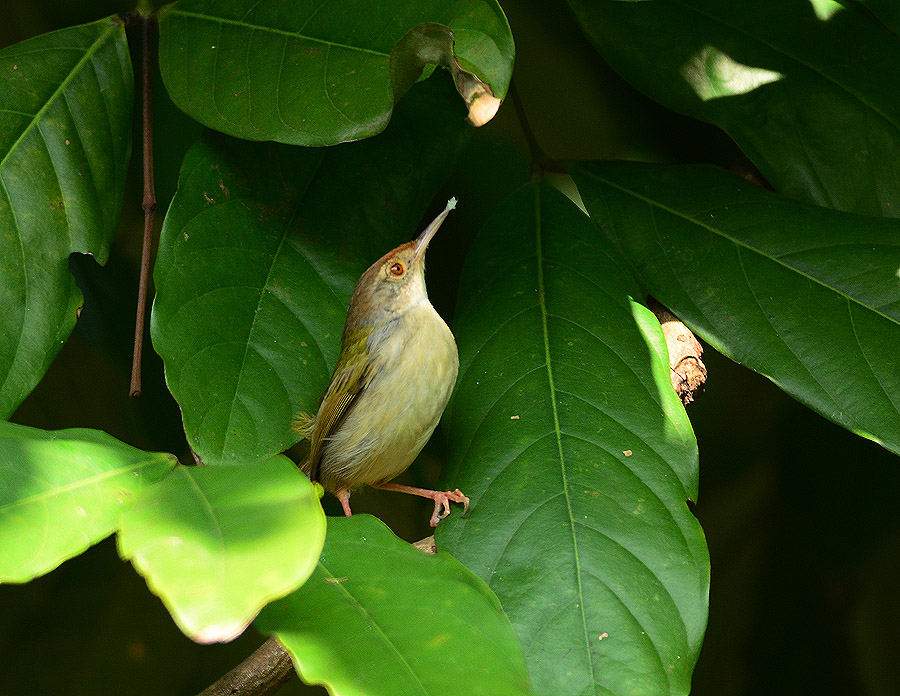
(397, 268)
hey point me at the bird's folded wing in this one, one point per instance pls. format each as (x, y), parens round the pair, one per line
(347, 383)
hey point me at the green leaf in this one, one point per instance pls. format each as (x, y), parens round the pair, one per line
(379, 617)
(259, 254)
(63, 490)
(805, 88)
(313, 74)
(216, 544)
(65, 121)
(806, 296)
(886, 12)
(566, 434)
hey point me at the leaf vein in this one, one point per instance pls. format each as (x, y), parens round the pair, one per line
(542, 303)
(282, 32)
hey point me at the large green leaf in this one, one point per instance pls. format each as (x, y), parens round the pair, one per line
(313, 73)
(216, 544)
(805, 87)
(885, 11)
(259, 253)
(577, 456)
(380, 618)
(807, 296)
(62, 491)
(65, 120)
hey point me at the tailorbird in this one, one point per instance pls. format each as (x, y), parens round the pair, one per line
(395, 373)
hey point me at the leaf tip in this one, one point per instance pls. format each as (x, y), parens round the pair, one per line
(218, 633)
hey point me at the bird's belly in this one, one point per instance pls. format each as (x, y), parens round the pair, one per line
(397, 411)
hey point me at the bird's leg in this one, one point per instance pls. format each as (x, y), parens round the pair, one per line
(441, 499)
(344, 496)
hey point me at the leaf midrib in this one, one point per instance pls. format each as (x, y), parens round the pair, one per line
(263, 289)
(76, 485)
(745, 245)
(280, 32)
(221, 562)
(368, 618)
(542, 303)
(88, 54)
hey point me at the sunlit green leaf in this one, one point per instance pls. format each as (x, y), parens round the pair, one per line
(313, 74)
(65, 139)
(807, 296)
(379, 617)
(63, 490)
(216, 544)
(259, 255)
(577, 456)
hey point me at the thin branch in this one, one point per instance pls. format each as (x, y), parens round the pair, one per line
(270, 667)
(263, 673)
(540, 161)
(147, 21)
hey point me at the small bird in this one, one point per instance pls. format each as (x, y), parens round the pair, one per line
(396, 371)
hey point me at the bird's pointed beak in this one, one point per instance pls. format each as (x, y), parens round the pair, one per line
(425, 237)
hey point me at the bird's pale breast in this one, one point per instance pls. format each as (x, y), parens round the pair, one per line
(414, 366)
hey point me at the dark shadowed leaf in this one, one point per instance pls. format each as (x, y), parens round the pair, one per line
(806, 89)
(65, 124)
(578, 457)
(217, 543)
(315, 74)
(807, 296)
(63, 490)
(380, 618)
(886, 12)
(259, 254)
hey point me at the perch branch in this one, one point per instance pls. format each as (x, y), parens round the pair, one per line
(426, 545)
(269, 667)
(149, 201)
(263, 673)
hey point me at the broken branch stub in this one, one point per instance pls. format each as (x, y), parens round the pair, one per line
(688, 372)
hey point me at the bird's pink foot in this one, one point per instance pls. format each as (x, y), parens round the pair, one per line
(442, 499)
(344, 496)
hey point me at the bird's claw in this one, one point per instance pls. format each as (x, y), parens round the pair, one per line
(442, 500)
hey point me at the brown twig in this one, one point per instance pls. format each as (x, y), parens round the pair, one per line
(270, 667)
(540, 161)
(688, 372)
(264, 672)
(149, 202)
